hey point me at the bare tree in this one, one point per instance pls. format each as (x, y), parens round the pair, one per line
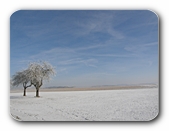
(36, 73)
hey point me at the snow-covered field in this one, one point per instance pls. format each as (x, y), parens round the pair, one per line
(109, 105)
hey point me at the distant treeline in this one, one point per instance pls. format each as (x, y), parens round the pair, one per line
(52, 87)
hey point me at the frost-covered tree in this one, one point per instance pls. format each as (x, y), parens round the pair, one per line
(35, 74)
(38, 72)
(22, 77)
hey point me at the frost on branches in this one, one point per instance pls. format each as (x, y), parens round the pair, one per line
(34, 75)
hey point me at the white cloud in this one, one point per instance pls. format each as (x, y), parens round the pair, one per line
(140, 47)
(100, 22)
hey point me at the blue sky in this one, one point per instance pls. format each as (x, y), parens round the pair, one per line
(87, 47)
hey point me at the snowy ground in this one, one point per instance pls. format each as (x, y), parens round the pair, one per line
(109, 105)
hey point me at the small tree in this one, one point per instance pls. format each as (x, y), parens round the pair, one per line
(38, 72)
(22, 78)
(34, 75)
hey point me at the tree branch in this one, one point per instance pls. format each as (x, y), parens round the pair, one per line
(24, 85)
(40, 83)
(29, 85)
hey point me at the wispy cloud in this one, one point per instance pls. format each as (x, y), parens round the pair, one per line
(140, 48)
(87, 62)
(66, 57)
(61, 70)
(101, 22)
(115, 55)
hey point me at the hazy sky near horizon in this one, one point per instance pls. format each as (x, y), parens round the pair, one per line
(87, 47)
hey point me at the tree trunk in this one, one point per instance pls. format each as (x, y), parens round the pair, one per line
(37, 92)
(24, 92)
(24, 85)
(38, 85)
